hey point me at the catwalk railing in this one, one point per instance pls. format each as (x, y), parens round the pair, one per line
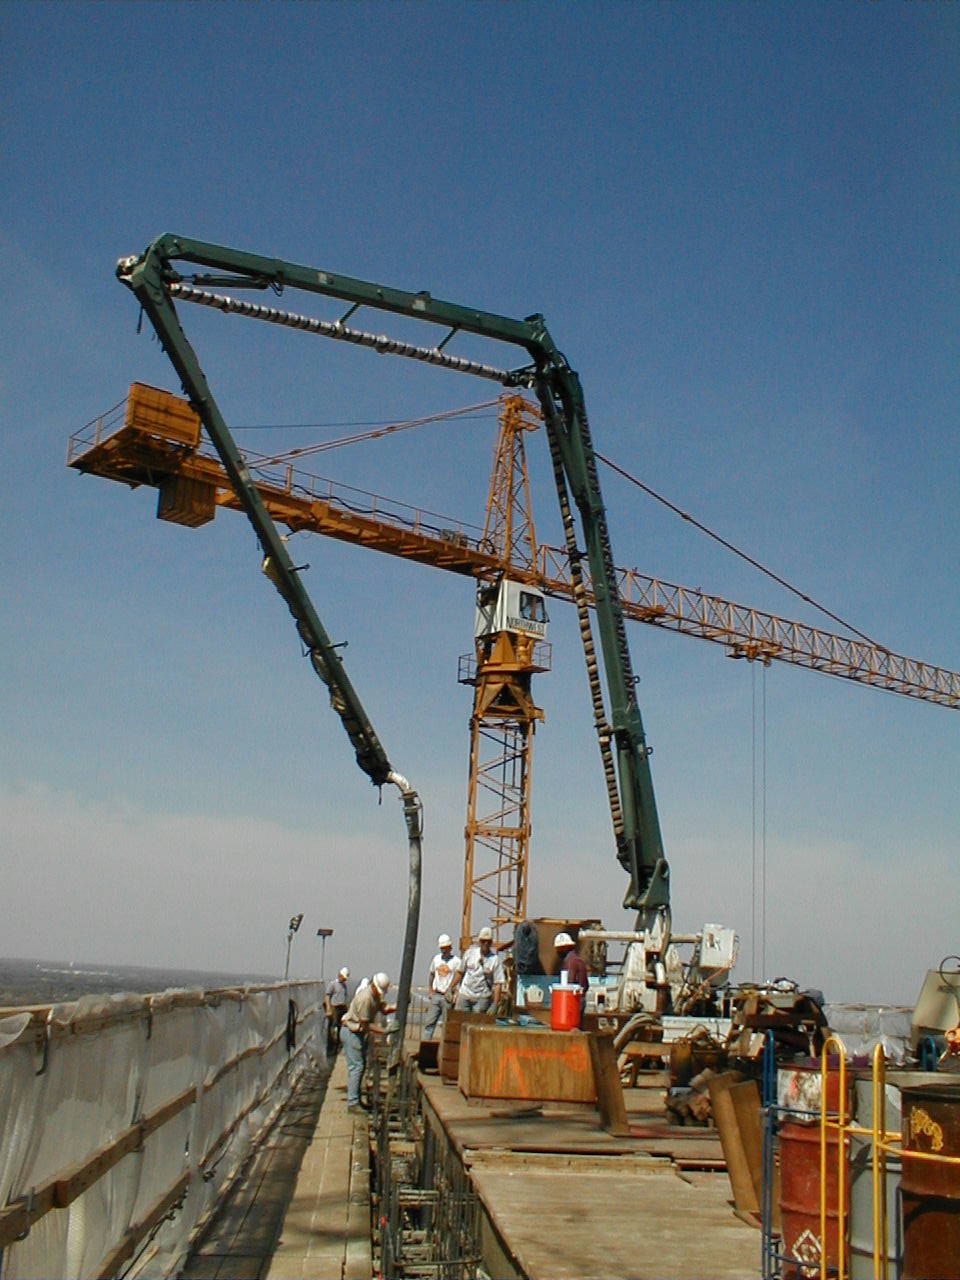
(124, 1118)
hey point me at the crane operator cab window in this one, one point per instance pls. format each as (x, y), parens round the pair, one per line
(511, 606)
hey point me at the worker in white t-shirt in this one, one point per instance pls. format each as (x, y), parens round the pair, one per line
(481, 976)
(444, 968)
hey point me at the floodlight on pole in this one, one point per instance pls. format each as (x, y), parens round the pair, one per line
(323, 935)
(295, 923)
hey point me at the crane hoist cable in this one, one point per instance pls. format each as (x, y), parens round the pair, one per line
(758, 834)
(684, 515)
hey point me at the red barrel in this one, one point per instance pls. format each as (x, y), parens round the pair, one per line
(564, 1008)
(801, 1244)
(930, 1189)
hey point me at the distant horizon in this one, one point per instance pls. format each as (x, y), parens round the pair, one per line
(105, 967)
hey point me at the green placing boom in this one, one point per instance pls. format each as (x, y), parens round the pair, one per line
(174, 269)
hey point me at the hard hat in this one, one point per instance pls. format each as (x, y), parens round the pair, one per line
(364, 982)
(344, 972)
(444, 940)
(485, 935)
(381, 982)
(563, 940)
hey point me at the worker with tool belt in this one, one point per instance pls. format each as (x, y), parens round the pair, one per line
(360, 1021)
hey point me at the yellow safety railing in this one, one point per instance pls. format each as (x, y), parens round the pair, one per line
(840, 1124)
(883, 1143)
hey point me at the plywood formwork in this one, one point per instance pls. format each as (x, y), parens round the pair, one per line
(562, 1197)
(526, 1064)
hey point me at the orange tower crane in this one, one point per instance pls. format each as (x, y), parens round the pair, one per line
(508, 649)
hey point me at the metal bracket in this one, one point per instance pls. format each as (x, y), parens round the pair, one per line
(28, 1211)
(46, 1045)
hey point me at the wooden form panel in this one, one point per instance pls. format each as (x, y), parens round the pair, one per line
(528, 1064)
(453, 1024)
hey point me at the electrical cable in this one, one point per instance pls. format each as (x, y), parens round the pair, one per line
(737, 552)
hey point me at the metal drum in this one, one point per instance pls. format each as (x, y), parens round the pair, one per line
(798, 1095)
(801, 1243)
(930, 1188)
(861, 1175)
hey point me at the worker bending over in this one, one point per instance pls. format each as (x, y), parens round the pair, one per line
(359, 1022)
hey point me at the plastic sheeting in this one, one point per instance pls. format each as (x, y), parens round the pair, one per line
(108, 1063)
(863, 1026)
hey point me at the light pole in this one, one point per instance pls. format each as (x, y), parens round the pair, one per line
(323, 935)
(295, 922)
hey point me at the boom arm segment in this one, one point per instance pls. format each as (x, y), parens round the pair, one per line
(154, 280)
(148, 279)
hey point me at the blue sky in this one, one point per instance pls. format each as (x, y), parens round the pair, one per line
(740, 222)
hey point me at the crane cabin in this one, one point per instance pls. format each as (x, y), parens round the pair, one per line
(510, 606)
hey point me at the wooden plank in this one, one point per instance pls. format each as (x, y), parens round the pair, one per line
(728, 1126)
(132, 1237)
(644, 1222)
(749, 1111)
(745, 1098)
(526, 1063)
(606, 1078)
(448, 1059)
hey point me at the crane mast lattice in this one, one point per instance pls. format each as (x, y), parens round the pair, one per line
(504, 716)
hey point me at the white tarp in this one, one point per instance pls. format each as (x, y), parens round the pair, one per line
(109, 1062)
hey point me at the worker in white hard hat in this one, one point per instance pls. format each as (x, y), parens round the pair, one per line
(359, 1022)
(481, 977)
(444, 968)
(335, 1001)
(573, 969)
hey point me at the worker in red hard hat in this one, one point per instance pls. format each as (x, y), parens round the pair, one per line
(572, 965)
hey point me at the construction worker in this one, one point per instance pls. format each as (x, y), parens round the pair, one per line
(335, 1002)
(359, 1022)
(444, 968)
(572, 964)
(480, 979)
